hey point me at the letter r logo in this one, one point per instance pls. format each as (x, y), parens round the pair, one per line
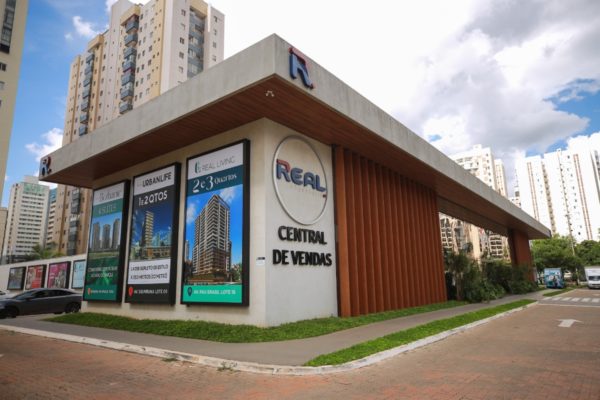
(298, 66)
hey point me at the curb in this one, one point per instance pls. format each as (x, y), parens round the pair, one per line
(244, 366)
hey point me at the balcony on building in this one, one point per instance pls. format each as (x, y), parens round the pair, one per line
(196, 48)
(87, 81)
(195, 20)
(83, 118)
(86, 92)
(132, 25)
(131, 39)
(198, 35)
(130, 51)
(83, 130)
(198, 62)
(128, 65)
(85, 105)
(129, 77)
(125, 106)
(89, 59)
(127, 92)
(88, 70)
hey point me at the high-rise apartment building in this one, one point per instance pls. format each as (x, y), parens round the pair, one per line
(13, 14)
(481, 163)
(562, 189)
(212, 243)
(146, 50)
(26, 223)
(51, 214)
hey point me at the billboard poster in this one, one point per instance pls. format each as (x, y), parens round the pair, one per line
(105, 260)
(36, 275)
(16, 278)
(58, 275)
(78, 274)
(152, 265)
(215, 259)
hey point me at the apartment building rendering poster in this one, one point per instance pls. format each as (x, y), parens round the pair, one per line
(36, 275)
(58, 275)
(78, 279)
(152, 252)
(16, 278)
(215, 260)
(104, 273)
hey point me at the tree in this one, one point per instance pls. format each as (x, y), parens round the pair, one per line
(458, 264)
(589, 252)
(556, 252)
(39, 252)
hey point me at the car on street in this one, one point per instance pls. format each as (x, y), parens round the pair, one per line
(41, 301)
(3, 294)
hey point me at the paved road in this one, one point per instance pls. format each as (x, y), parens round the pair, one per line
(523, 356)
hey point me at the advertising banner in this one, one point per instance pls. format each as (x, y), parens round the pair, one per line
(215, 259)
(36, 275)
(105, 260)
(152, 245)
(78, 274)
(16, 278)
(58, 275)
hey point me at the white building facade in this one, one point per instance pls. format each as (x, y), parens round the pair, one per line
(26, 223)
(562, 189)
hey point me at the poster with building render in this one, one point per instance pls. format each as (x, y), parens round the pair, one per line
(36, 275)
(215, 256)
(105, 260)
(152, 243)
(58, 275)
(16, 278)
(78, 274)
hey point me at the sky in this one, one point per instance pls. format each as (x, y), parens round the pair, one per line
(519, 76)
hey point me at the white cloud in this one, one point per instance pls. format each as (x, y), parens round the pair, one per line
(109, 4)
(227, 194)
(69, 36)
(83, 28)
(53, 140)
(191, 213)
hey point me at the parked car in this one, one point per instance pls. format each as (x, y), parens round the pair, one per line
(40, 301)
(3, 294)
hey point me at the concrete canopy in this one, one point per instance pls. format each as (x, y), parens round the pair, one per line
(255, 84)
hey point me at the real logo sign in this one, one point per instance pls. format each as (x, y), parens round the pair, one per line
(298, 66)
(298, 177)
(300, 181)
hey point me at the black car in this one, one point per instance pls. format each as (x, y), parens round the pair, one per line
(40, 301)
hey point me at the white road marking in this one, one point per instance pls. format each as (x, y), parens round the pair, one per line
(576, 299)
(595, 300)
(565, 298)
(556, 299)
(567, 323)
(585, 300)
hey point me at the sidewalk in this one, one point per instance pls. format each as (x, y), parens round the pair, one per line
(287, 353)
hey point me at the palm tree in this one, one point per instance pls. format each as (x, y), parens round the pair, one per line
(38, 252)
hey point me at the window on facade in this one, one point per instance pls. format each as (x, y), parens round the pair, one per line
(1, 85)
(215, 45)
(183, 12)
(181, 69)
(181, 55)
(2, 67)
(181, 40)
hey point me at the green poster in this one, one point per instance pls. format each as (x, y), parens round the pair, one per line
(104, 271)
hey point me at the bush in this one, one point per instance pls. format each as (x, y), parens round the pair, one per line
(477, 288)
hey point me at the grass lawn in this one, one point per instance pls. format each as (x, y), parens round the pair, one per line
(241, 333)
(560, 291)
(410, 335)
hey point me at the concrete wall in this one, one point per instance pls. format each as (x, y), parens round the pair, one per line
(5, 270)
(278, 294)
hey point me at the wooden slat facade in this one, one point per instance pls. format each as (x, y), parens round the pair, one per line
(389, 246)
